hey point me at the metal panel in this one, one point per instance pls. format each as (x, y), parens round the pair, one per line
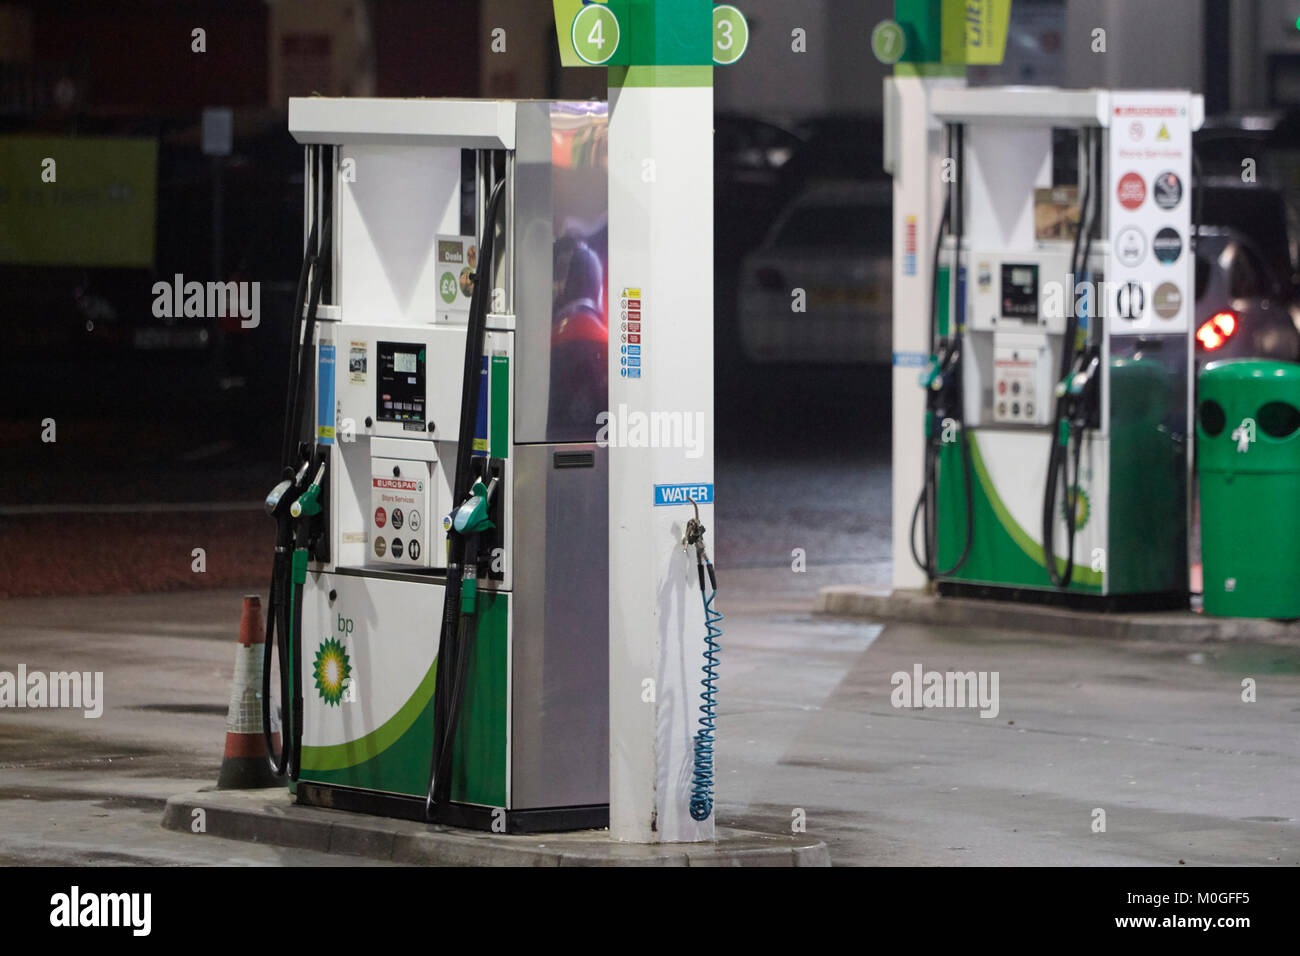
(559, 647)
(390, 217)
(561, 217)
(464, 124)
(1029, 106)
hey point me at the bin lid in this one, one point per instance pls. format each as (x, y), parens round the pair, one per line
(1248, 417)
(1244, 369)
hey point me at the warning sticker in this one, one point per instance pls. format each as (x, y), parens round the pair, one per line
(357, 361)
(631, 318)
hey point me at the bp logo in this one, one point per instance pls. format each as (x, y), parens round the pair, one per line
(1082, 507)
(332, 670)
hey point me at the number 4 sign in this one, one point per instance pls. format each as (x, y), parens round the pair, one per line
(595, 34)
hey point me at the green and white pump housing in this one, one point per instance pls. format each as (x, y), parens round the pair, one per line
(1057, 368)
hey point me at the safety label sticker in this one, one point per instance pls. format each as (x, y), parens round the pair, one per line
(683, 494)
(909, 246)
(630, 330)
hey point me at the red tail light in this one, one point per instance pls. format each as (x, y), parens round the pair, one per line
(1216, 330)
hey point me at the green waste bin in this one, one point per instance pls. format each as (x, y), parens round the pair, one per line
(1248, 450)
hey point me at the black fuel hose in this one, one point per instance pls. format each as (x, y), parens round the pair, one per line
(280, 616)
(1058, 459)
(454, 638)
(925, 511)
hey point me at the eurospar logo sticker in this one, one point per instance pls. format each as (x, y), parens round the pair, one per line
(398, 484)
(1132, 191)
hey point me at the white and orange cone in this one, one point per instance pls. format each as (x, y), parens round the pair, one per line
(245, 764)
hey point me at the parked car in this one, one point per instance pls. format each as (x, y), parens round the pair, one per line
(748, 155)
(1243, 308)
(1247, 304)
(817, 289)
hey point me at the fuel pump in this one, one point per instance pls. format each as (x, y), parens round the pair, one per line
(441, 663)
(1065, 368)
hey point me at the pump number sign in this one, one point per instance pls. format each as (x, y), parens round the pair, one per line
(730, 34)
(595, 34)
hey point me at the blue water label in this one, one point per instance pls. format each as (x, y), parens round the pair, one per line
(480, 449)
(325, 394)
(683, 494)
(911, 359)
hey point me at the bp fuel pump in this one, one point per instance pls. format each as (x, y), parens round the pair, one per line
(1059, 376)
(440, 601)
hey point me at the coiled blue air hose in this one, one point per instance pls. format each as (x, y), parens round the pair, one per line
(702, 784)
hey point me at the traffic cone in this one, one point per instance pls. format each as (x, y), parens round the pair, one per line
(245, 764)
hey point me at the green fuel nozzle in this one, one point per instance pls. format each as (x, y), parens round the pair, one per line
(929, 377)
(309, 503)
(472, 516)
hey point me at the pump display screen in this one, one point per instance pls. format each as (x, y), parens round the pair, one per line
(1019, 291)
(399, 386)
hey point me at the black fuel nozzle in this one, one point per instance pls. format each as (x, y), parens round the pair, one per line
(1081, 390)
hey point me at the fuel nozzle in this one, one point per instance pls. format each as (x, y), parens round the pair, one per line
(279, 499)
(472, 516)
(1080, 388)
(941, 369)
(309, 502)
(695, 537)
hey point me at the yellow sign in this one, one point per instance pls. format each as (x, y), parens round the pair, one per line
(78, 201)
(975, 31)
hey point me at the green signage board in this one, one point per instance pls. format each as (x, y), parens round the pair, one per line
(78, 201)
(957, 32)
(643, 32)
